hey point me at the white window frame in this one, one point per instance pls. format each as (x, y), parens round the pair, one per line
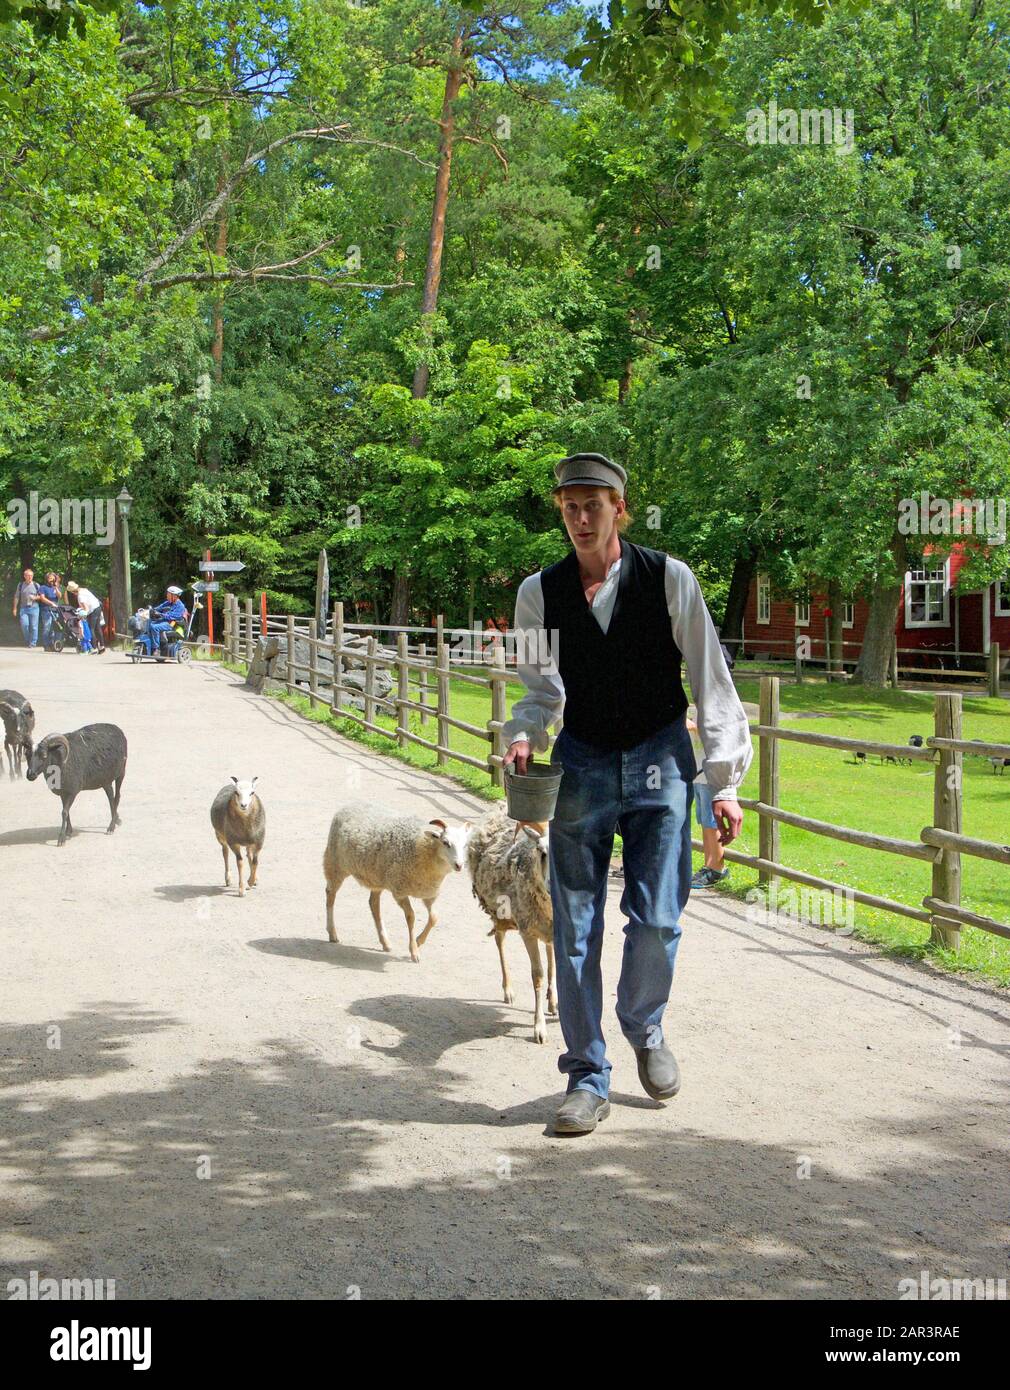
(764, 599)
(800, 604)
(1001, 598)
(849, 608)
(931, 573)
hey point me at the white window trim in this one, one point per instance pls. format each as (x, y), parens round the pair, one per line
(764, 585)
(928, 622)
(849, 603)
(803, 622)
(1001, 598)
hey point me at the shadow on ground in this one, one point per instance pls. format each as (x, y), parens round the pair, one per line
(302, 1200)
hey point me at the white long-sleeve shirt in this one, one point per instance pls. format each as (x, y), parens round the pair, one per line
(722, 723)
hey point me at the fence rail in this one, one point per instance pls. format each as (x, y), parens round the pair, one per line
(941, 844)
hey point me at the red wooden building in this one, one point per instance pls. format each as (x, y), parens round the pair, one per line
(936, 619)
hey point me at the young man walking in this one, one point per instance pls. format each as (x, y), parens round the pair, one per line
(615, 619)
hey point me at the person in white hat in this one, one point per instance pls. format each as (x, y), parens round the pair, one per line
(601, 636)
(165, 617)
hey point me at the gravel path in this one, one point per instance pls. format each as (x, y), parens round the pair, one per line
(238, 1108)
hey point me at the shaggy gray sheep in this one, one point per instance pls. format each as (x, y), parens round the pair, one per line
(509, 868)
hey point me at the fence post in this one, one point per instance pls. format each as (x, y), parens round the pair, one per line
(226, 629)
(947, 816)
(994, 670)
(249, 638)
(498, 715)
(402, 691)
(894, 662)
(442, 707)
(422, 683)
(313, 663)
(370, 681)
(768, 781)
(290, 673)
(338, 660)
(439, 636)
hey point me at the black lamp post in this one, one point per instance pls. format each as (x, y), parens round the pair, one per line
(123, 504)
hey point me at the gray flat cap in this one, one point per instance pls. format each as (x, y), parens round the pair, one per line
(590, 470)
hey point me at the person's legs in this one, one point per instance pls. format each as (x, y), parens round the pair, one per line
(581, 841)
(29, 620)
(655, 825)
(714, 868)
(46, 626)
(95, 624)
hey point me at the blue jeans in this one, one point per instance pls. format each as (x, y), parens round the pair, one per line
(154, 631)
(703, 806)
(46, 624)
(29, 620)
(645, 793)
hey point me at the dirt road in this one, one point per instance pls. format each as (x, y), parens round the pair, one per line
(238, 1108)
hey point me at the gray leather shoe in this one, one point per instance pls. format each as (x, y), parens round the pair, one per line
(658, 1071)
(580, 1112)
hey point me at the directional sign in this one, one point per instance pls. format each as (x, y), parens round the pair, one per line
(221, 566)
(206, 588)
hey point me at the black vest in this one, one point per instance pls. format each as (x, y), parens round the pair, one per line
(623, 685)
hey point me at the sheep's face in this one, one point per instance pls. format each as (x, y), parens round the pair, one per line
(452, 841)
(50, 753)
(538, 833)
(244, 792)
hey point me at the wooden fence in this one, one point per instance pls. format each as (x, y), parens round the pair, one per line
(940, 844)
(832, 662)
(428, 673)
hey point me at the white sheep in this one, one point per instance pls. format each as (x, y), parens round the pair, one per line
(404, 854)
(509, 868)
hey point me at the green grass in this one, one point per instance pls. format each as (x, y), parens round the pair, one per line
(822, 783)
(890, 800)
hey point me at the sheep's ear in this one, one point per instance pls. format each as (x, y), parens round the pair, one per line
(436, 827)
(235, 780)
(533, 831)
(254, 781)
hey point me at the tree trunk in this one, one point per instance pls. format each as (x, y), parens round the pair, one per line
(399, 603)
(744, 567)
(624, 385)
(436, 237)
(875, 656)
(433, 267)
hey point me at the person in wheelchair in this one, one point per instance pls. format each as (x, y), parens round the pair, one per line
(167, 623)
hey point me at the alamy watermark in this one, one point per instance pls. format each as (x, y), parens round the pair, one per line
(810, 125)
(926, 515)
(63, 516)
(822, 907)
(955, 1290)
(41, 1287)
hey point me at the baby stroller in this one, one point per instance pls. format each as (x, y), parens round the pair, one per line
(70, 626)
(139, 627)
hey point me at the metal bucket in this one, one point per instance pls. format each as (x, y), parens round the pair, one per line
(533, 795)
